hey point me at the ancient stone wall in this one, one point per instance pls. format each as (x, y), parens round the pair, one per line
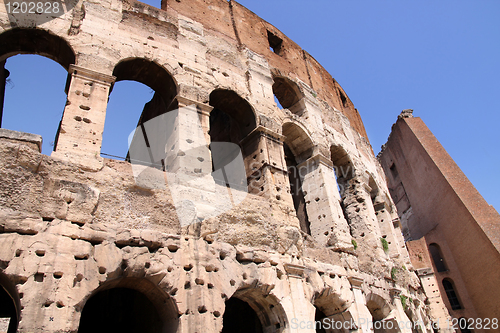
(85, 239)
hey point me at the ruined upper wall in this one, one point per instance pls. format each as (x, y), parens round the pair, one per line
(247, 30)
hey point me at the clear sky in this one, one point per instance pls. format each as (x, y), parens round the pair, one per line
(440, 58)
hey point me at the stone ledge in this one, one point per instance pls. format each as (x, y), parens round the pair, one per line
(22, 136)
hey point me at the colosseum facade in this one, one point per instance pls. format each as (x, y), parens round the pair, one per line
(160, 242)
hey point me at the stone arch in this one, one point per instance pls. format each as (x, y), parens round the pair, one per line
(288, 94)
(298, 147)
(298, 140)
(437, 257)
(152, 75)
(267, 308)
(343, 165)
(129, 298)
(232, 111)
(232, 119)
(36, 41)
(380, 309)
(10, 305)
(157, 78)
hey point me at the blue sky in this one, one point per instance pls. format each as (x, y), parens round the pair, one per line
(440, 58)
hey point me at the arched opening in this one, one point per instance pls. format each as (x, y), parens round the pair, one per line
(143, 90)
(231, 120)
(344, 169)
(32, 87)
(437, 257)
(9, 306)
(330, 309)
(379, 309)
(288, 95)
(240, 317)
(319, 323)
(298, 147)
(249, 311)
(449, 289)
(129, 305)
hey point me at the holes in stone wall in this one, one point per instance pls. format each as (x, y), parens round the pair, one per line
(81, 256)
(39, 277)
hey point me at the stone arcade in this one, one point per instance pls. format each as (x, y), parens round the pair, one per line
(86, 247)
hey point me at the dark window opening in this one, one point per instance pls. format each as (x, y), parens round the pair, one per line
(287, 94)
(8, 310)
(275, 43)
(394, 170)
(343, 167)
(343, 98)
(452, 295)
(231, 120)
(299, 201)
(120, 310)
(240, 317)
(318, 323)
(437, 258)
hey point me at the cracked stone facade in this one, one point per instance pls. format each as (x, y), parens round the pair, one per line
(84, 240)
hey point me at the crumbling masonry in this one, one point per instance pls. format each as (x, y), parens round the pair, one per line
(86, 246)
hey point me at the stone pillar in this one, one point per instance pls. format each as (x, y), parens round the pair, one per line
(187, 148)
(265, 165)
(404, 322)
(327, 222)
(361, 214)
(80, 132)
(386, 227)
(297, 306)
(361, 316)
(422, 327)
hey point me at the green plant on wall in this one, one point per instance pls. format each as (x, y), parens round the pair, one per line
(393, 273)
(403, 301)
(354, 244)
(385, 245)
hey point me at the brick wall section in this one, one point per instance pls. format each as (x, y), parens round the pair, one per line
(446, 205)
(247, 29)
